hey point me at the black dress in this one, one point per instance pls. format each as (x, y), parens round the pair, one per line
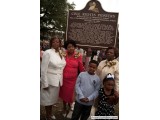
(104, 109)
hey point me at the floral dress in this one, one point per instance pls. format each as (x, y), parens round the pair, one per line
(104, 109)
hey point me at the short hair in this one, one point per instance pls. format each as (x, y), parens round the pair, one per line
(66, 43)
(53, 38)
(94, 61)
(116, 53)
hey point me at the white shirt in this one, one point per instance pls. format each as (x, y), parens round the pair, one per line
(52, 68)
(103, 71)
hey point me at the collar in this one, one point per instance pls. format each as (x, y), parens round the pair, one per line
(54, 50)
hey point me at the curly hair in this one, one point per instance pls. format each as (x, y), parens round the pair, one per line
(69, 42)
(94, 61)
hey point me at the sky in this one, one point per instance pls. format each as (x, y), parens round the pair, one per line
(107, 5)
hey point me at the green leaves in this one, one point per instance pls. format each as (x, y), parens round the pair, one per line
(53, 15)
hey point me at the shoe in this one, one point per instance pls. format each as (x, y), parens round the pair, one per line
(53, 117)
(64, 114)
(69, 115)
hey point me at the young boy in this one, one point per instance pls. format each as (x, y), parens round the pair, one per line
(87, 87)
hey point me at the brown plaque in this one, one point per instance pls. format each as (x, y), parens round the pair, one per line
(92, 26)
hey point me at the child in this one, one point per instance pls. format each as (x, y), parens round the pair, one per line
(87, 86)
(107, 97)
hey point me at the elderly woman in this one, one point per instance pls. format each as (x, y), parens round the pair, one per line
(52, 67)
(74, 65)
(110, 65)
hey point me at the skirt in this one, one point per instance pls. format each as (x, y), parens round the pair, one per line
(50, 96)
(67, 90)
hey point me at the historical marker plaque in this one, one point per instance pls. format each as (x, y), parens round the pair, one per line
(92, 26)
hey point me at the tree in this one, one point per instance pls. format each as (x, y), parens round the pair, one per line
(53, 15)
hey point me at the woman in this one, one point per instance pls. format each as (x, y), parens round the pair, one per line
(74, 65)
(52, 67)
(110, 65)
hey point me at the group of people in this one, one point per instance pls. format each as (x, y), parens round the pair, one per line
(64, 76)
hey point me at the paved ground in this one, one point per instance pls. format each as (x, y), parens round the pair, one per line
(57, 111)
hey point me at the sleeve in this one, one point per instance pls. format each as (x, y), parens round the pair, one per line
(116, 100)
(44, 67)
(117, 79)
(78, 89)
(94, 95)
(99, 68)
(80, 64)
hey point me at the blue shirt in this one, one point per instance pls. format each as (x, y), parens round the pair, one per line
(87, 86)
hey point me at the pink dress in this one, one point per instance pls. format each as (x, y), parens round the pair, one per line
(70, 73)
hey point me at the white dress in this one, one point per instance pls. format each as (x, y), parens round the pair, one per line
(51, 76)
